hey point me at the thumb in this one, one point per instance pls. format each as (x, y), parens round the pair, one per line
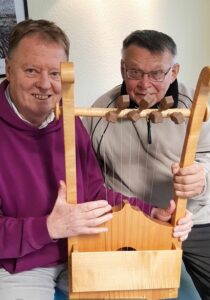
(164, 214)
(171, 207)
(61, 198)
(175, 168)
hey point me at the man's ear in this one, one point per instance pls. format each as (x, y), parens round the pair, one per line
(175, 72)
(122, 68)
(7, 68)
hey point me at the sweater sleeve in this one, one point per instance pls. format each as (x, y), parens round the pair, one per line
(22, 236)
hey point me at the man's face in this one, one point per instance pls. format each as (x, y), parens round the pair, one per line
(136, 58)
(33, 71)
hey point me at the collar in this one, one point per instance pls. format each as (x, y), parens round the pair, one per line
(172, 91)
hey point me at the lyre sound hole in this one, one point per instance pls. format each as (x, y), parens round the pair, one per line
(126, 249)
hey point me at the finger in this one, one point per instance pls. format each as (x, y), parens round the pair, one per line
(178, 231)
(95, 213)
(188, 194)
(92, 227)
(183, 230)
(91, 205)
(197, 178)
(184, 227)
(175, 168)
(164, 214)
(94, 230)
(183, 238)
(61, 192)
(191, 170)
(171, 208)
(186, 219)
(180, 234)
(187, 187)
(193, 189)
(98, 221)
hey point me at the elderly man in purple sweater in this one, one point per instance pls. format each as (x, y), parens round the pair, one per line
(35, 218)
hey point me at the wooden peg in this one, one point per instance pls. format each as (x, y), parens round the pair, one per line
(134, 115)
(145, 102)
(111, 116)
(177, 117)
(123, 102)
(166, 103)
(156, 117)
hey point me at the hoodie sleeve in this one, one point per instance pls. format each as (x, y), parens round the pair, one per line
(21, 236)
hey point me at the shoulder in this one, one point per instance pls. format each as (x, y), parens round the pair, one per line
(108, 99)
(185, 95)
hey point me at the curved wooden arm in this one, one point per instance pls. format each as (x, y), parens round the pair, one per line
(198, 111)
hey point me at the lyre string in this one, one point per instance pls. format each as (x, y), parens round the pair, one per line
(105, 176)
(130, 164)
(139, 173)
(121, 155)
(147, 180)
(130, 159)
(154, 170)
(97, 123)
(143, 195)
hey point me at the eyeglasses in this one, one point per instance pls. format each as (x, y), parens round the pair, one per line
(154, 76)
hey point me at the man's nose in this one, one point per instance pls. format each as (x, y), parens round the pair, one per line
(144, 81)
(43, 81)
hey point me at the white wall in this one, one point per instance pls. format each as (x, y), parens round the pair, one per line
(97, 27)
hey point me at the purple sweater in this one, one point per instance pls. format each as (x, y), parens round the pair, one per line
(31, 165)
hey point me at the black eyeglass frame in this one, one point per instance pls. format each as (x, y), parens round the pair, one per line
(149, 74)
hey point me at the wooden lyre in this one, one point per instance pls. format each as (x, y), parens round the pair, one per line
(97, 270)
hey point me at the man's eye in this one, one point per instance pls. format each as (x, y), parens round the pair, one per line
(30, 72)
(55, 75)
(157, 73)
(135, 71)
